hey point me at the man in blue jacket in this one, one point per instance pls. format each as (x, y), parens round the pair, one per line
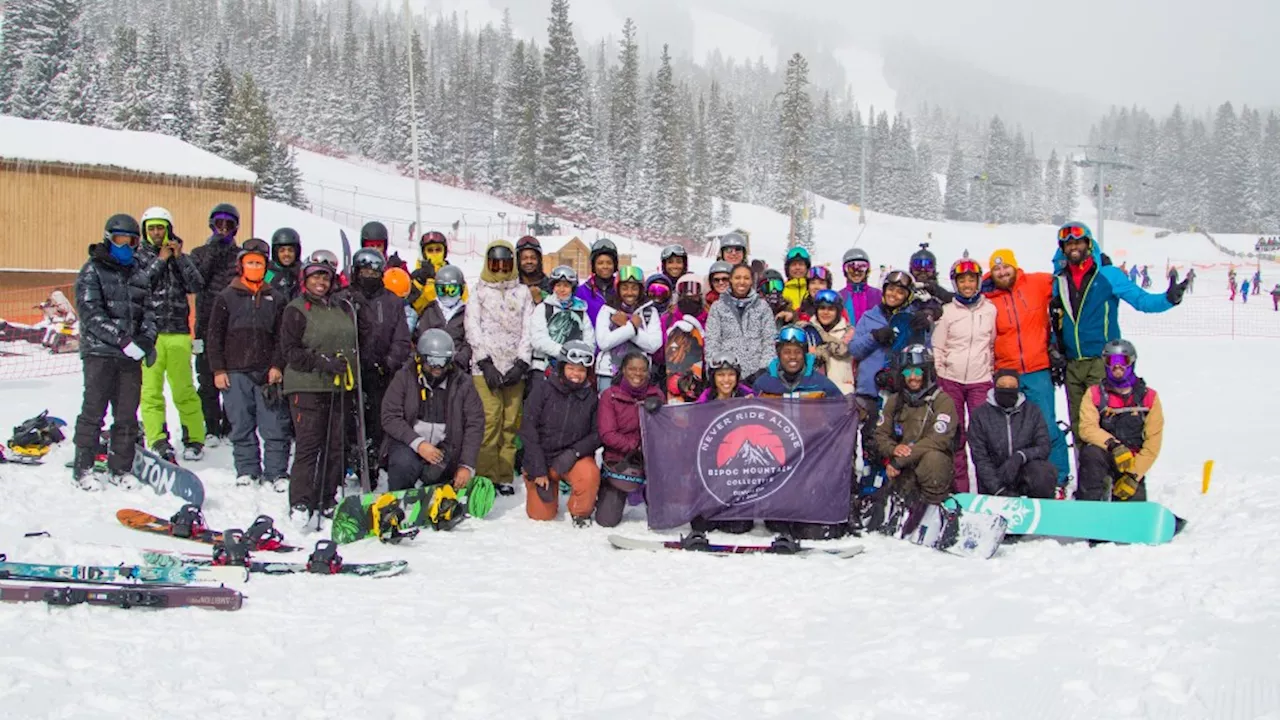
(792, 373)
(1086, 309)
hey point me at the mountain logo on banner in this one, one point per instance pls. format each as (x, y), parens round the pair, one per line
(748, 454)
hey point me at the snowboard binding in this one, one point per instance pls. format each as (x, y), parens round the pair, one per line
(262, 535)
(388, 515)
(188, 522)
(784, 545)
(233, 550)
(325, 559)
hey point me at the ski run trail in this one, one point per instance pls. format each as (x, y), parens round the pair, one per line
(510, 618)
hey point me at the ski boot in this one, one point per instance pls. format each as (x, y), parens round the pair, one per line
(188, 522)
(193, 452)
(582, 522)
(325, 559)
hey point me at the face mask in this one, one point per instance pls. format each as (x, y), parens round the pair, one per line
(123, 254)
(449, 301)
(254, 271)
(1006, 398)
(690, 305)
(435, 257)
(370, 285)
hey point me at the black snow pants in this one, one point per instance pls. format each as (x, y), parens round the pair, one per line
(116, 382)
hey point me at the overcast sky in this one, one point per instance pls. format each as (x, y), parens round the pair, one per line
(1149, 52)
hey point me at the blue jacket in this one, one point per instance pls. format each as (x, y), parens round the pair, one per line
(1097, 321)
(870, 355)
(810, 382)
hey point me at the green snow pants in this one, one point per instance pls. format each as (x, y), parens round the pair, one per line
(173, 360)
(1081, 375)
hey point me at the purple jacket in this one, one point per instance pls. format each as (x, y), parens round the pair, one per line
(594, 298)
(708, 394)
(619, 421)
(857, 303)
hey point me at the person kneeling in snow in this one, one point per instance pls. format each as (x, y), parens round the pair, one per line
(560, 438)
(916, 432)
(1009, 442)
(1123, 423)
(432, 419)
(619, 417)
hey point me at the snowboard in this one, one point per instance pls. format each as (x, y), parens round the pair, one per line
(146, 522)
(166, 477)
(389, 568)
(683, 352)
(1122, 522)
(125, 597)
(353, 518)
(625, 543)
(966, 534)
(122, 573)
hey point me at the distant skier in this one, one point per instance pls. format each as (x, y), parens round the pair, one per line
(1257, 282)
(1133, 274)
(1146, 277)
(1172, 275)
(1191, 280)
(1244, 292)
(1275, 298)
(1121, 430)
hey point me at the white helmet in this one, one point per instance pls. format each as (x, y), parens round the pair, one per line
(156, 213)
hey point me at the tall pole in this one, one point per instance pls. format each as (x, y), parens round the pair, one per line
(1102, 200)
(862, 183)
(413, 124)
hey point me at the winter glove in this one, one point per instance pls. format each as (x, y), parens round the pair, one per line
(1009, 470)
(651, 404)
(492, 378)
(150, 359)
(197, 347)
(885, 380)
(272, 397)
(515, 374)
(1124, 486)
(423, 274)
(921, 321)
(1057, 365)
(133, 351)
(1176, 291)
(334, 365)
(564, 462)
(883, 335)
(1122, 454)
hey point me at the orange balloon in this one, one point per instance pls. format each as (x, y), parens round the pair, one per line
(397, 281)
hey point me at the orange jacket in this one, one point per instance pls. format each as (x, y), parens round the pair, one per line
(1022, 322)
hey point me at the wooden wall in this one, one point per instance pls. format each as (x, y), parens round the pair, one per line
(50, 213)
(576, 255)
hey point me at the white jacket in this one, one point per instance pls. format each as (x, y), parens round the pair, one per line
(615, 343)
(545, 348)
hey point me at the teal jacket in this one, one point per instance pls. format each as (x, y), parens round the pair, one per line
(1091, 312)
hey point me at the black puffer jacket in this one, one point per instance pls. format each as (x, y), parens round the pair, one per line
(285, 280)
(557, 418)
(383, 329)
(433, 318)
(995, 434)
(216, 261)
(111, 300)
(171, 282)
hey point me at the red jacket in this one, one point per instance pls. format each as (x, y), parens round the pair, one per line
(619, 417)
(1022, 322)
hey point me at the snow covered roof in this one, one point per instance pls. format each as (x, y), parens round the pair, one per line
(555, 243)
(84, 145)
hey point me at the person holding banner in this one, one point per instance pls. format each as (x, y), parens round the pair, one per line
(560, 435)
(741, 324)
(726, 381)
(916, 432)
(619, 415)
(792, 373)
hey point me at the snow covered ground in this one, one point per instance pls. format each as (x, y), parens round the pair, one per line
(506, 617)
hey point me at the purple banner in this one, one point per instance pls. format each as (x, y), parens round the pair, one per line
(749, 459)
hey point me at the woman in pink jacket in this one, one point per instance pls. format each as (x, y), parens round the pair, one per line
(964, 354)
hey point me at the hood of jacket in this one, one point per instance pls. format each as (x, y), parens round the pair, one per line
(775, 368)
(991, 400)
(494, 278)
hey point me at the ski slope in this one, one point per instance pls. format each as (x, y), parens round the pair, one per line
(506, 617)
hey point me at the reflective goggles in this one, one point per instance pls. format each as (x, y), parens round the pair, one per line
(563, 273)
(631, 273)
(820, 273)
(1073, 232)
(449, 290)
(574, 356)
(792, 334)
(722, 362)
(689, 288)
(899, 278)
(671, 251)
(772, 286)
(858, 265)
(912, 372)
(966, 267)
(720, 280)
(437, 361)
(658, 291)
(1118, 361)
(923, 263)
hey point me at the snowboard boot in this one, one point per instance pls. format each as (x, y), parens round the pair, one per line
(162, 448)
(300, 518)
(193, 452)
(82, 471)
(505, 488)
(696, 540)
(280, 484)
(248, 480)
(124, 480)
(784, 544)
(582, 522)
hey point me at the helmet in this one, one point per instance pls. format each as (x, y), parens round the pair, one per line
(253, 246)
(373, 230)
(916, 356)
(792, 335)
(798, 253)
(965, 266)
(718, 267)
(286, 237)
(368, 258)
(224, 210)
(924, 261)
(563, 273)
(324, 256)
(397, 280)
(529, 242)
(899, 278)
(436, 347)
(827, 298)
(499, 252)
(1120, 347)
(671, 251)
(433, 236)
(1074, 231)
(603, 246)
(720, 361)
(577, 352)
(121, 224)
(855, 255)
(156, 213)
(1120, 352)
(820, 272)
(632, 274)
(733, 240)
(771, 283)
(449, 275)
(689, 284)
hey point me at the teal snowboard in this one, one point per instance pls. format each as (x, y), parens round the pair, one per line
(121, 573)
(1122, 522)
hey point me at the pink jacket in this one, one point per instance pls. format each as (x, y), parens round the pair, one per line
(964, 342)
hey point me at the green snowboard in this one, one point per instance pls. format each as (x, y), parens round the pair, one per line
(353, 518)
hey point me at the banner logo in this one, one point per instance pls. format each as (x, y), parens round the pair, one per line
(748, 454)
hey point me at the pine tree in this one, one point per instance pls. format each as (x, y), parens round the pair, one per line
(927, 193)
(215, 102)
(1052, 187)
(825, 148)
(249, 129)
(40, 42)
(700, 208)
(795, 117)
(567, 176)
(1068, 189)
(1270, 165)
(625, 134)
(178, 116)
(723, 174)
(998, 203)
(283, 180)
(955, 204)
(1227, 192)
(665, 187)
(77, 93)
(524, 95)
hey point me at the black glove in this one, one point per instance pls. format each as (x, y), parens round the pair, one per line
(884, 335)
(564, 462)
(335, 365)
(272, 397)
(1009, 470)
(652, 403)
(921, 321)
(1176, 291)
(492, 378)
(515, 374)
(886, 380)
(423, 274)
(1057, 365)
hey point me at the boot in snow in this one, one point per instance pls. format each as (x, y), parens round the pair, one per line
(193, 451)
(165, 450)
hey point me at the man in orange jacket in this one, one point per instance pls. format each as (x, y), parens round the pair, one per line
(1023, 342)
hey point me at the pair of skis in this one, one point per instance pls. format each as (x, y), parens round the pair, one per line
(219, 598)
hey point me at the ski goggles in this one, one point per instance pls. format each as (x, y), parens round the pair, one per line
(671, 251)
(564, 273)
(966, 267)
(820, 273)
(434, 237)
(449, 289)
(797, 253)
(826, 298)
(899, 278)
(689, 287)
(658, 291)
(912, 372)
(631, 273)
(324, 256)
(722, 362)
(574, 356)
(772, 286)
(923, 263)
(1074, 232)
(437, 361)
(1118, 361)
(857, 266)
(792, 334)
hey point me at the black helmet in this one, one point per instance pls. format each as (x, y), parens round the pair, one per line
(603, 246)
(373, 230)
(226, 210)
(286, 237)
(917, 356)
(499, 252)
(121, 224)
(924, 261)
(671, 251)
(368, 258)
(436, 347)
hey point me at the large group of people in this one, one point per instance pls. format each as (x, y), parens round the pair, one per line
(541, 378)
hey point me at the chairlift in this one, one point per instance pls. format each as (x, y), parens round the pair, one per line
(1141, 214)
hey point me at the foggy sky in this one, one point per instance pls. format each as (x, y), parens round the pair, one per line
(1149, 52)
